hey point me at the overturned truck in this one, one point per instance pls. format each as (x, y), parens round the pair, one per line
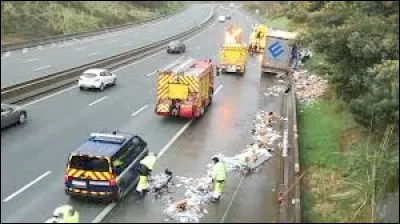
(280, 53)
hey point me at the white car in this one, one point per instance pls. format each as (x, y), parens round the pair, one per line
(221, 19)
(97, 78)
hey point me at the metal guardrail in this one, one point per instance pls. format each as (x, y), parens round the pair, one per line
(66, 37)
(46, 83)
(295, 150)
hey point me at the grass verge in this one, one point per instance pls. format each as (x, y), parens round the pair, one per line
(27, 20)
(341, 159)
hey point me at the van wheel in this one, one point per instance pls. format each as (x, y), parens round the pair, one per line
(118, 195)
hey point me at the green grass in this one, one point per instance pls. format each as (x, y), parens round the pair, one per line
(277, 23)
(322, 140)
(320, 128)
(26, 20)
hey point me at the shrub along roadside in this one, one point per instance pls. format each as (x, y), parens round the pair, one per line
(26, 20)
(350, 167)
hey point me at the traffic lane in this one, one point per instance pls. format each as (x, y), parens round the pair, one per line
(36, 204)
(58, 58)
(228, 121)
(125, 94)
(255, 199)
(48, 112)
(220, 130)
(73, 108)
(67, 141)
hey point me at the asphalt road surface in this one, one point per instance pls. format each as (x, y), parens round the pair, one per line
(19, 66)
(34, 155)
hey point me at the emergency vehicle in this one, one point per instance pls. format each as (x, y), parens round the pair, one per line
(258, 39)
(92, 170)
(185, 88)
(233, 53)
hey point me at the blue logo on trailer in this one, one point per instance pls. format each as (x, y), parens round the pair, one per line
(275, 49)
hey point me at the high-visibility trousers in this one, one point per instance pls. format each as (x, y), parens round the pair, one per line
(142, 184)
(218, 188)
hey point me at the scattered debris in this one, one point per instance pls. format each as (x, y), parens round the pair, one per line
(192, 206)
(308, 86)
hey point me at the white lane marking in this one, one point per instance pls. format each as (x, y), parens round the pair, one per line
(94, 102)
(115, 70)
(26, 186)
(148, 57)
(113, 41)
(51, 95)
(173, 139)
(218, 89)
(103, 213)
(162, 51)
(109, 207)
(31, 60)
(41, 68)
(93, 54)
(80, 48)
(140, 110)
(197, 35)
(231, 201)
(127, 44)
(150, 74)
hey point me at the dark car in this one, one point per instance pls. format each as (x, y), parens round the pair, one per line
(228, 17)
(12, 114)
(176, 47)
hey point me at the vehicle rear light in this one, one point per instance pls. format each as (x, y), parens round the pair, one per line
(66, 178)
(112, 182)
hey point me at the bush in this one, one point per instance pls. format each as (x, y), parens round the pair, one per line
(34, 19)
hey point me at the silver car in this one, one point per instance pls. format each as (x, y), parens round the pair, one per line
(12, 114)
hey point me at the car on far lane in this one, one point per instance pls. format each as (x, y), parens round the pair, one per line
(12, 114)
(97, 78)
(176, 47)
(221, 19)
(228, 17)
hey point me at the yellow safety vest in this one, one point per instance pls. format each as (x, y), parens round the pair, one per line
(72, 219)
(66, 217)
(149, 161)
(117, 163)
(219, 171)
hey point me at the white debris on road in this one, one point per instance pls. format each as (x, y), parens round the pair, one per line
(191, 207)
(308, 86)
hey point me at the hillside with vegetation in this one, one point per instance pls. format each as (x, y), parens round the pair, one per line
(348, 139)
(25, 20)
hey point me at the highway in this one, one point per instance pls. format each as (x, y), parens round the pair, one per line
(22, 66)
(34, 155)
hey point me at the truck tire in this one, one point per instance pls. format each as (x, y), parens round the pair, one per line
(210, 97)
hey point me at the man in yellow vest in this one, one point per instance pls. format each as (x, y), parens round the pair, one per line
(218, 175)
(66, 214)
(147, 164)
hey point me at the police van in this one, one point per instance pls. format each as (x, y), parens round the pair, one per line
(105, 166)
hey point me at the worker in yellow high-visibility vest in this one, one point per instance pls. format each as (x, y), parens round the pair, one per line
(218, 175)
(147, 164)
(66, 214)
